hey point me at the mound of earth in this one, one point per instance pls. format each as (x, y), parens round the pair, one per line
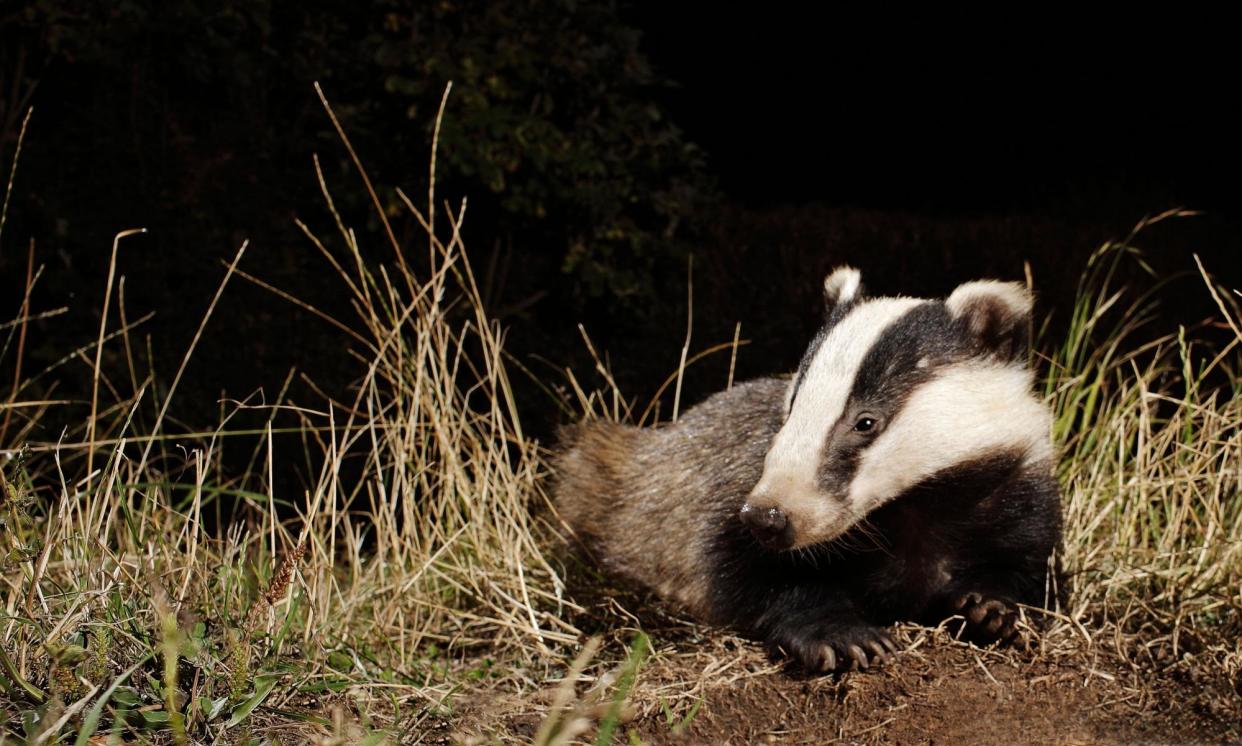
(936, 691)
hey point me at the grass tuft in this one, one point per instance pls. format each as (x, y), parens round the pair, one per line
(1151, 440)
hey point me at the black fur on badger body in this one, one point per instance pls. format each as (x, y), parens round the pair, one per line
(904, 473)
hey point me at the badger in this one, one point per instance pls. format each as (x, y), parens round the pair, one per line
(903, 473)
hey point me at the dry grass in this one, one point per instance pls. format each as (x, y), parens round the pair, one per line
(1151, 440)
(411, 592)
(355, 595)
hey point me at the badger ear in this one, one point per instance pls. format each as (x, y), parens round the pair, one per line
(841, 286)
(996, 314)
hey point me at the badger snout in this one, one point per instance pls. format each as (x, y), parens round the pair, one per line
(769, 525)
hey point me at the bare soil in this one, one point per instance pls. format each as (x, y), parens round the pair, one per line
(936, 691)
(955, 695)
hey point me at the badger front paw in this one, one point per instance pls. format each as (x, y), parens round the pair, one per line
(826, 647)
(987, 618)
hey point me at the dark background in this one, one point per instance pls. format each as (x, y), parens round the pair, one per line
(1044, 114)
(601, 145)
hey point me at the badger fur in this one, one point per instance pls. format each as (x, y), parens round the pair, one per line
(904, 473)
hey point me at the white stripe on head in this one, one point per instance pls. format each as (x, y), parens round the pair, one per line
(966, 412)
(793, 460)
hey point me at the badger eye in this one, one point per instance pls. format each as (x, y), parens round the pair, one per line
(864, 424)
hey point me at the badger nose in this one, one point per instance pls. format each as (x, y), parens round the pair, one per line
(769, 525)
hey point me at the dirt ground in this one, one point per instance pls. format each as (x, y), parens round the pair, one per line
(936, 691)
(954, 695)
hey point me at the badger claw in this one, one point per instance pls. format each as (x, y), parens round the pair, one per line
(880, 649)
(858, 657)
(836, 648)
(988, 618)
(828, 659)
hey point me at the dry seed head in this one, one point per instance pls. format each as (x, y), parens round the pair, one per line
(275, 590)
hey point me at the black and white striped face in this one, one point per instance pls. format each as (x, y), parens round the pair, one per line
(890, 393)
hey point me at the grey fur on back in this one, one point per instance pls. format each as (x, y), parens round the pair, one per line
(646, 501)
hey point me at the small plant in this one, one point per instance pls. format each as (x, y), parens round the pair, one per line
(679, 725)
(639, 650)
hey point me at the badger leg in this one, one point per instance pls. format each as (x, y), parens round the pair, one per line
(822, 632)
(1015, 531)
(987, 600)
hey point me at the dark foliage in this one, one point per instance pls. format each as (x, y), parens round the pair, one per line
(198, 121)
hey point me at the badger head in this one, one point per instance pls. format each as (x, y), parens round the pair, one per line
(891, 393)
